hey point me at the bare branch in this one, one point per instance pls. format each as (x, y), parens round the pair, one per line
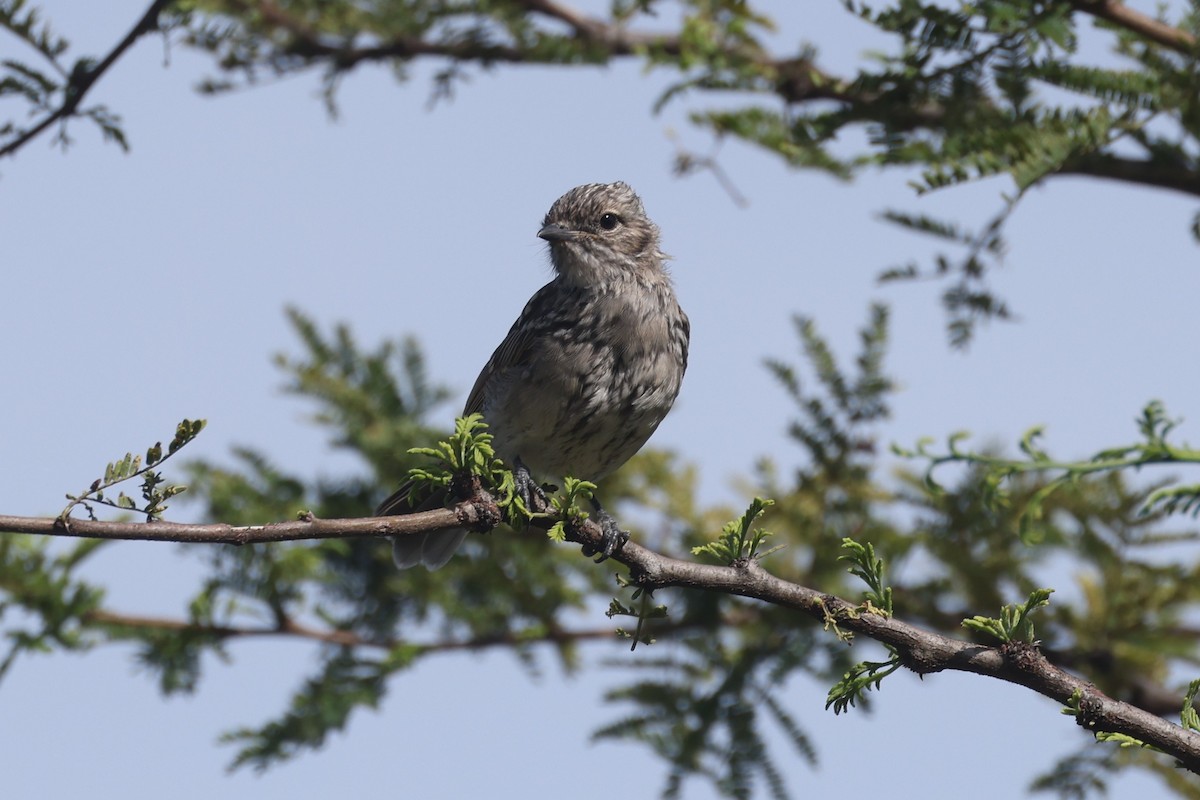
(469, 515)
(1148, 27)
(342, 638)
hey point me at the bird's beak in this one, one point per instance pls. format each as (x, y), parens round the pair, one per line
(554, 232)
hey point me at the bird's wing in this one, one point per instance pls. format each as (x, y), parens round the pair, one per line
(514, 350)
(401, 501)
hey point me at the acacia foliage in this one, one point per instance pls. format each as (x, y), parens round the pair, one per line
(960, 91)
(712, 688)
(964, 91)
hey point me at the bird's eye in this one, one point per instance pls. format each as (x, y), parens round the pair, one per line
(609, 221)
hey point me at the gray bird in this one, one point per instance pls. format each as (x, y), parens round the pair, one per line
(589, 369)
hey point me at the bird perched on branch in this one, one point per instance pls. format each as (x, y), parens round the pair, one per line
(589, 369)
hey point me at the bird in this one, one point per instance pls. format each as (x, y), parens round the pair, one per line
(590, 368)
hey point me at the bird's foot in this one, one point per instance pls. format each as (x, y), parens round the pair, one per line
(614, 538)
(531, 494)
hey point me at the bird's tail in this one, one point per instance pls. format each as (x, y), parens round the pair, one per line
(432, 549)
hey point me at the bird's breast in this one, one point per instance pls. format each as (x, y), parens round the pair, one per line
(592, 389)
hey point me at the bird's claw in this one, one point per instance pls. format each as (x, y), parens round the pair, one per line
(613, 537)
(531, 494)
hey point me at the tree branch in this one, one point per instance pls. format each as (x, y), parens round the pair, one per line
(477, 515)
(798, 80)
(794, 80)
(1135, 21)
(921, 651)
(341, 638)
(81, 82)
(1140, 172)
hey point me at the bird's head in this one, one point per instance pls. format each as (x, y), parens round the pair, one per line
(600, 232)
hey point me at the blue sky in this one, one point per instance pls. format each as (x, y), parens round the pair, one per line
(147, 287)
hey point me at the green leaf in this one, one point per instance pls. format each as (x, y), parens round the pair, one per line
(739, 540)
(1015, 623)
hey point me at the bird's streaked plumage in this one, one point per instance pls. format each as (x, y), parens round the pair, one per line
(592, 365)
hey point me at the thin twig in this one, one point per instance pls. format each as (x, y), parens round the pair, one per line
(81, 83)
(343, 638)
